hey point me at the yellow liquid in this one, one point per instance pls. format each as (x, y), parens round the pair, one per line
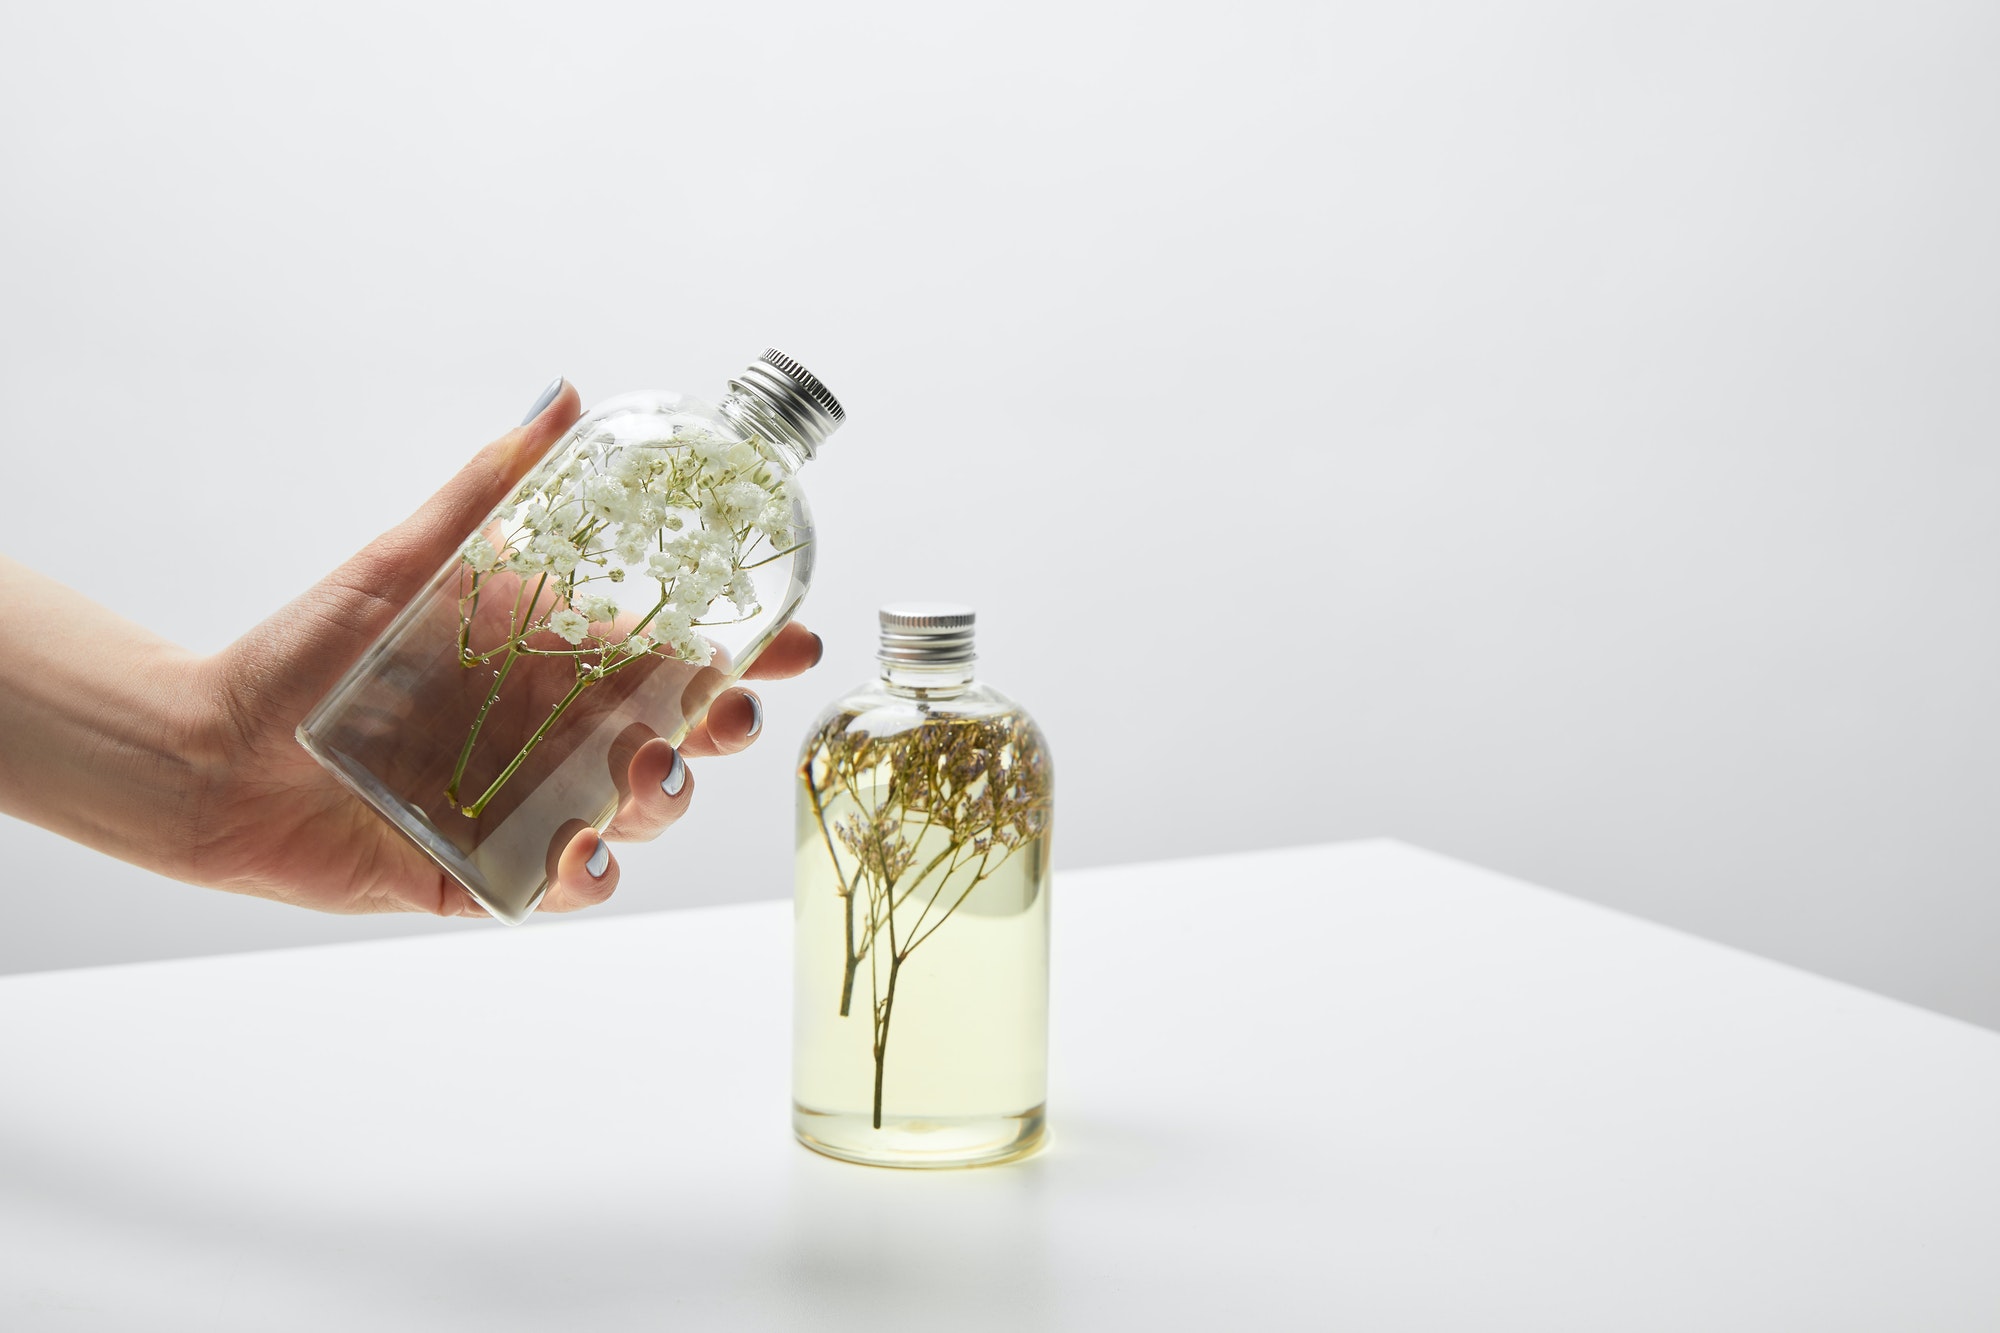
(964, 1067)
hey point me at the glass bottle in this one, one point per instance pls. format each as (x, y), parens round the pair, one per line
(636, 573)
(921, 921)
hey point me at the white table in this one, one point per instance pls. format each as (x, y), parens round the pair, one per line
(1356, 1086)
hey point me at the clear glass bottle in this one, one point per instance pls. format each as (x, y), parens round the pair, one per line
(636, 573)
(921, 921)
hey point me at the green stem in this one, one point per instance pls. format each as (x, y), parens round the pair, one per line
(896, 900)
(465, 751)
(882, 1034)
(978, 878)
(759, 564)
(466, 613)
(478, 806)
(840, 877)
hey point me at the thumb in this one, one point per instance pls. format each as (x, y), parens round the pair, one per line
(319, 635)
(393, 568)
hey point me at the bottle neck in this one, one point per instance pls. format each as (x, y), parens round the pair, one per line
(752, 415)
(926, 682)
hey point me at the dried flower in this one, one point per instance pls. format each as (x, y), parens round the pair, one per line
(947, 803)
(596, 608)
(689, 510)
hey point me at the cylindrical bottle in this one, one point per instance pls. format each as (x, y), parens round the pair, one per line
(637, 572)
(921, 922)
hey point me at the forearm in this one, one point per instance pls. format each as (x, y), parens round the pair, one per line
(98, 724)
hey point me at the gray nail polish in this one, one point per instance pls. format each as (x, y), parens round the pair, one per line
(756, 713)
(599, 859)
(542, 403)
(676, 777)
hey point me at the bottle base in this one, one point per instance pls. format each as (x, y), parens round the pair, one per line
(922, 1142)
(415, 825)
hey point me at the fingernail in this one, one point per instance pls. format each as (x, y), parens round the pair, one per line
(756, 713)
(542, 403)
(819, 649)
(599, 859)
(676, 777)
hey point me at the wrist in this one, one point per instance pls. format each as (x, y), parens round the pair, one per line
(103, 752)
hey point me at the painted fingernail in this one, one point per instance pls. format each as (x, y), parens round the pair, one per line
(819, 649)
(676, 777)
(599, 859)
(542, 403)
(756, 713)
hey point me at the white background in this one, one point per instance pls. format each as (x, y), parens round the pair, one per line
(1559, 436)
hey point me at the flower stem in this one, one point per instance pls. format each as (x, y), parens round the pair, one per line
(882, 1033)
(479, 806)
(846, 891)
(759, 564)
(465, 751)
(516, 642)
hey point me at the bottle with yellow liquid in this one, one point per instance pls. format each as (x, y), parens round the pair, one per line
(921, 937)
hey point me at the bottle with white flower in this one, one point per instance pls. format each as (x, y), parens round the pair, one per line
(634, 575)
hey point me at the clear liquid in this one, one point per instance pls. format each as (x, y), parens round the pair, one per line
(395, 729)
(963, 1072)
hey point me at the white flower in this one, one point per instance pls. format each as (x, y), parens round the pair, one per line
(776, 521)
(596, 608)
(606, 498)
(633, 539)
(743, 592)
(664, 565)
(740, 500)
(564, 557)
(691, 647)
(712, 454)
(479, 553)
(743, 454)
(648, 511)
(631, 466)
(677, 631)
(715, 567)
(640, 644)
(569, 625)
(692, 596)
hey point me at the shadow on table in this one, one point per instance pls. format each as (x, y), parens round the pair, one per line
(816, 1243)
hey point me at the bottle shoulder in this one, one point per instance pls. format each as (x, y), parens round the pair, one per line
(873, 708)
(664, 417)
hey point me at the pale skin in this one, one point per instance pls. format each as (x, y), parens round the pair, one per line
(187, 765)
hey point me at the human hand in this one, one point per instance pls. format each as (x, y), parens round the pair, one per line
(218, 791)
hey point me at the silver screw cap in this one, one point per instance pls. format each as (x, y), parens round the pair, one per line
(926, 634)
(795, 394)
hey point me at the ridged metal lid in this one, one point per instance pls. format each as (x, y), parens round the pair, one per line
(795, 394)
(926, 634)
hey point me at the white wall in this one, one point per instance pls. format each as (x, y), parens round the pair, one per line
(1563, 437)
